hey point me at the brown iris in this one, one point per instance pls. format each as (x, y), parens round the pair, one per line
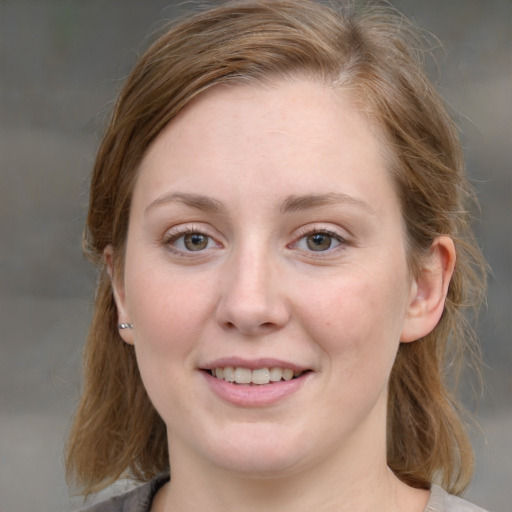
(319, 241)
(195, 241)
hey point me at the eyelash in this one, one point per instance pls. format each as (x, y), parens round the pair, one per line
(309, 231)
(171, 238)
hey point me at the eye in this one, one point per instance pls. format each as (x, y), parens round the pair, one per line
(195, 241)
(319, 241)
(190, 241)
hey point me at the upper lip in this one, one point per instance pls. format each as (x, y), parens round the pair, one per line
(253, 364)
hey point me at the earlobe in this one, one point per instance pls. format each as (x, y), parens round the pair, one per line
(429, 290)
(119, 296)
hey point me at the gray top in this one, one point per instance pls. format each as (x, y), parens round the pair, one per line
(140, 498)
(441, 501)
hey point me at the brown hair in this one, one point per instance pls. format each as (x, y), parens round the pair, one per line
(367, 52)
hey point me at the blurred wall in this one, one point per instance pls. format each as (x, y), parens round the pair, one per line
(61, 64)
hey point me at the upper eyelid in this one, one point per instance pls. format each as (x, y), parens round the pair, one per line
(319, 228)
(174, 233)
(180, 230)
(177, 231)
(171, 236)
(304, 231)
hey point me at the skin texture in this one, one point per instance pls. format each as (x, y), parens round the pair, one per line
(273, 166)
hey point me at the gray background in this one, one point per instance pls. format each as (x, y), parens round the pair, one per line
(61, 64)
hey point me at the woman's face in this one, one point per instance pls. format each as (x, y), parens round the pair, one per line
(266, 241)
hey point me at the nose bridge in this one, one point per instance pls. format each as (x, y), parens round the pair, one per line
(252, 300)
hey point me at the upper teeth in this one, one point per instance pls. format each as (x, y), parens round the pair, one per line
(247, 376)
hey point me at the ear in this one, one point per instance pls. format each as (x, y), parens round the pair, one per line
(117, 282)
(429, 290)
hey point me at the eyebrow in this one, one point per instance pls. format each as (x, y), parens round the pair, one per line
(200, 202)
(306, 202)
(290, 204)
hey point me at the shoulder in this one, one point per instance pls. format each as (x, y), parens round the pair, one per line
(441, 501)
(135, 500)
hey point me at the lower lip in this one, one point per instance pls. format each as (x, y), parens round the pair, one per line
(255, 395)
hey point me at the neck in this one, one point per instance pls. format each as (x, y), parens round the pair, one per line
(352, 477)
(355, 486)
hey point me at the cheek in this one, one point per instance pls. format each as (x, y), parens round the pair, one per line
(168, 309)
(357, 320)
(168, 312)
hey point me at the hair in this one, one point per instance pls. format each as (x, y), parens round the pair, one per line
(370, 53)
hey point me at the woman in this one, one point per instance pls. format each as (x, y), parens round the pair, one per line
(279, 213)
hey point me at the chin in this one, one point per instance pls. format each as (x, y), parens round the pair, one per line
(260, 452)
(261, 465)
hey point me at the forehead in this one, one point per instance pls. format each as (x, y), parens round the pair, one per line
(293, 109)
(299, 131)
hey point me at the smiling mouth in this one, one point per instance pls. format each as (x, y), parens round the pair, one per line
(260, 376)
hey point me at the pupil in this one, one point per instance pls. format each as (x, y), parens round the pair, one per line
(195, 241)
(319, 242)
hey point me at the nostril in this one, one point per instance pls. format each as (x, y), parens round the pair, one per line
(265, 326)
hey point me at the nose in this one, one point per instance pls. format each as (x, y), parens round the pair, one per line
(253, 300)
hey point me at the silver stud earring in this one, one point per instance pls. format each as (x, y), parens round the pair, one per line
(125, 326)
